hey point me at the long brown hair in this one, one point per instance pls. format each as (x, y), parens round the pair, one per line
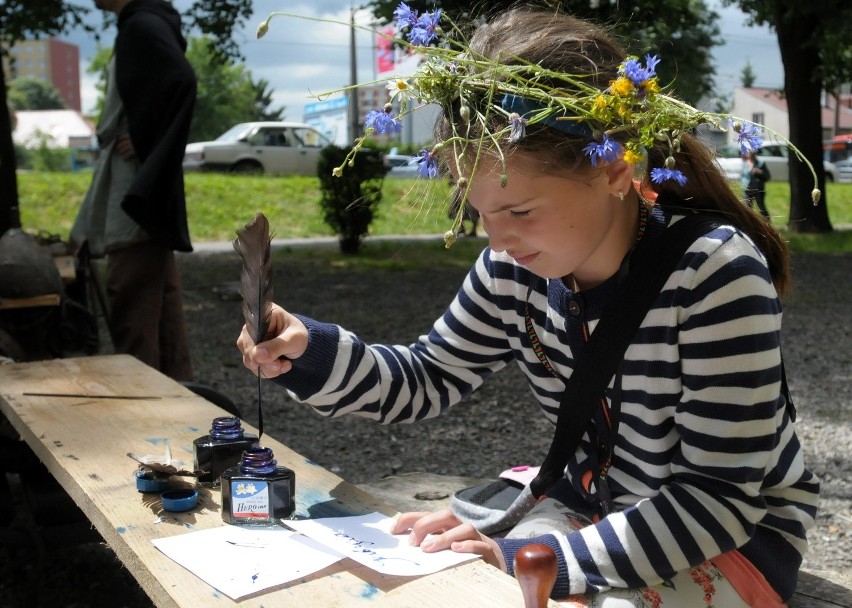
(568, 45)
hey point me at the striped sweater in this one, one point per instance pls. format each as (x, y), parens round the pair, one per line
(706, 459)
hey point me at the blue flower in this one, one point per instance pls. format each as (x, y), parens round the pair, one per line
(748, 137)
(426, 29)
(519, 127)
(427, 164)
(638, 74)
(661, 174)
(606, 151)
(383, 121)
(404, 15)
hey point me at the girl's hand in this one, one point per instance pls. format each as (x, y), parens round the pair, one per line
(448, 532)
(273, 357)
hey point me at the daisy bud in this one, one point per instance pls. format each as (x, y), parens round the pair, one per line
(449, 238)
(462, 183)
(263, 28)
(816, 195)
(670, 162)
(464, 112)
(337, 171)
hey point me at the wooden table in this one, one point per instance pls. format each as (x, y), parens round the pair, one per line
(129, 407)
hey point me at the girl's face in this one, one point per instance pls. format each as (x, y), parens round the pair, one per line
(557, 226)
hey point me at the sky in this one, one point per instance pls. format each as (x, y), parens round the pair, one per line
(302, 58)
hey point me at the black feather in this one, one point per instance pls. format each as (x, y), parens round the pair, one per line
(253, 244)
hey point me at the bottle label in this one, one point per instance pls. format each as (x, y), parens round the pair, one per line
(250, 500)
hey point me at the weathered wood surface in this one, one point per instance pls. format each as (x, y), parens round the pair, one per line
(128, 407)
(816, 589)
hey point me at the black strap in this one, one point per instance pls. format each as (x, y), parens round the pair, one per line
(651, 264)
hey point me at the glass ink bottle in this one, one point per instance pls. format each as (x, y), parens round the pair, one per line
(258, 491)
(221, 449)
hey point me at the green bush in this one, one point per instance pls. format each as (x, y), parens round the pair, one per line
(349, 201)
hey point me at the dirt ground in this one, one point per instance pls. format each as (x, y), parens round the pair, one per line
(497, 427)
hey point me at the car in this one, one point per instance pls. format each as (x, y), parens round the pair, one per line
(844, 171)
(268, 148)
(776, 157)
(401, 165)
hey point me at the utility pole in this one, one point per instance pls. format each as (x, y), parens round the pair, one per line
(354, 114)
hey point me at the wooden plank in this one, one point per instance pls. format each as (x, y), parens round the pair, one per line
(83, 441)
(50, 299)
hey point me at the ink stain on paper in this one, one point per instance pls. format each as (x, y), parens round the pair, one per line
(369, 591)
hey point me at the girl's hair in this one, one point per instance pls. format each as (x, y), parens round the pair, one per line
(568, 45)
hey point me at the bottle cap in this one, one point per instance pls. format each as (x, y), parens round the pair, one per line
(147, 481)
(179, 500)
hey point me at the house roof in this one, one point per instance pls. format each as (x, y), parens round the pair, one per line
(775, 98)
(64, 128)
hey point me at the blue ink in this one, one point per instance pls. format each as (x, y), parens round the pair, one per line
(363, 546)
(157, 440)
(369, 591)
(254, 577)
(121, 529)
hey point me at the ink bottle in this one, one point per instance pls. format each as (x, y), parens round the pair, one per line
(221, 449)
(258, 491)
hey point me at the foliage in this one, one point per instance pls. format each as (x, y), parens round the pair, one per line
(263, 101)
(349, 201)
(685, 32)
(98, 67)
(747, 76)
(34, 94)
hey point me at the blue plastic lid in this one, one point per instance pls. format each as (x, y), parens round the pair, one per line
(149, 482)
(179, 500)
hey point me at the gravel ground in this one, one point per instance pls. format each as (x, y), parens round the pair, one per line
(500, 424)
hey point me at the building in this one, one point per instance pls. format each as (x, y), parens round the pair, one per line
(53, 129)
(769, 108)
(50, 60)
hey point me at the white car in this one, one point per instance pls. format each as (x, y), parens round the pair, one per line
(776, 157)
(401, 165)
(271, 148)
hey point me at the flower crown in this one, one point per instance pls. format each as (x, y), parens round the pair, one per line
(451, 75)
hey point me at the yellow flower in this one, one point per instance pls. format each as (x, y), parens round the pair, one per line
(632, 157)
(651, 86)
(622, 86)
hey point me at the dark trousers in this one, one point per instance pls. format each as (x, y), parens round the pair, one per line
(146, 308)
(758, 196)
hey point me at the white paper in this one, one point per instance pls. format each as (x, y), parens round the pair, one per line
(239, 561)
(367, 540)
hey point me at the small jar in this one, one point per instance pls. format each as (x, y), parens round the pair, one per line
(221, 449)
(258, 491)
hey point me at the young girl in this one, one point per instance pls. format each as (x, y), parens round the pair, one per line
(711, 498)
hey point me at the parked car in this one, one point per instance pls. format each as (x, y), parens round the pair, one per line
(271, 148)
(776, 157)
(402, 165)
(844, 171)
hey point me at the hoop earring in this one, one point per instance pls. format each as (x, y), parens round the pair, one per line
(621, 195)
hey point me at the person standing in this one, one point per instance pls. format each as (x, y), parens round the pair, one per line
(135, 210)
(754, 178)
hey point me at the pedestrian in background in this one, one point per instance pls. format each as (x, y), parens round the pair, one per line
(135, 210)
(754, 178)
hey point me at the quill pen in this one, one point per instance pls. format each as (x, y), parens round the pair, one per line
(253, 245)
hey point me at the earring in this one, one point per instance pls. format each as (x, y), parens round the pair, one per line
(621, 195)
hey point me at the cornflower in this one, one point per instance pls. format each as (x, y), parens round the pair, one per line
(519, 128)
(662, 174)
(606, 151)
(427, 164)
(426, 29)
(383, 121)
(748, 137)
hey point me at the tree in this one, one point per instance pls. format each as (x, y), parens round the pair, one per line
(34, 94)
(20, 19)
(747, 76)
(226, 93)
(815, 41)
(681, 33)
(262, 101)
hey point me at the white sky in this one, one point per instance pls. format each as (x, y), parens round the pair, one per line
(300, 57)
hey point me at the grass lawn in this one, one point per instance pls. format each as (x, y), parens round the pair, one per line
(219, 204)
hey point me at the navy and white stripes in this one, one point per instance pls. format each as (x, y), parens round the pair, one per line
(706, 459)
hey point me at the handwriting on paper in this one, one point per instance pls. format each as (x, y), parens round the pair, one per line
(367, 540)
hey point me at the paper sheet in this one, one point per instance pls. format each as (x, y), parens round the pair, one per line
(239, 561)
(367, 540)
